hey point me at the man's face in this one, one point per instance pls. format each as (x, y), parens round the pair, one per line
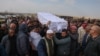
(87, 29)
(11, 33)
(84, 25)
(50, 35)
(13, 26)
(63, 34)
(73, 30)
(92, 30)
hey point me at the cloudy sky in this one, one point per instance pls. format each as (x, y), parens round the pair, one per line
(88, 8)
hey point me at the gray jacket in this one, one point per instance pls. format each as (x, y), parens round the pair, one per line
(63, 46)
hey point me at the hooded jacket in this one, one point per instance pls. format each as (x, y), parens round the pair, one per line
(23, 40)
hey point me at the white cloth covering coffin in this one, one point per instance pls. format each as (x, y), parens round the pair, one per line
(57, 24)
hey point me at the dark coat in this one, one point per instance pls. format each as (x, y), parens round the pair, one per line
(23, 40)
(22, 43)
(84, 41)
(42, 49)
(93, 47)
(74, 43)
(2, 51)
(63, 46)
(2, 34)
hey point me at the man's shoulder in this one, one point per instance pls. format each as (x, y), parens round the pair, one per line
(5, 37)
(98, 39)
(42, 41)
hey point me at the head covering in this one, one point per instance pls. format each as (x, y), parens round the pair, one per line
(23, 28)
(49, 31)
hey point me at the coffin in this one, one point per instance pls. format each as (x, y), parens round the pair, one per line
(57, 23)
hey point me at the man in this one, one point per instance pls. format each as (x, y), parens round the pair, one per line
(9, 43)
(63, 44)
(81, 32)
(3, 31)
(23, 40)
(46, 45)
(85, 37)
(74, 37)
(14, 25)
(93, 43)
(34, 39)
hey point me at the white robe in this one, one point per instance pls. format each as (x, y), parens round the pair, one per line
(35, 38)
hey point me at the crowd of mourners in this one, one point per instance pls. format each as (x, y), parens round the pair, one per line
(28, 37)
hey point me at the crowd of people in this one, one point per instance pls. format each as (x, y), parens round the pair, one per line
(28, 37)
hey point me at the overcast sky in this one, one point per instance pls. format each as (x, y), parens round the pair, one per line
(88, 8)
